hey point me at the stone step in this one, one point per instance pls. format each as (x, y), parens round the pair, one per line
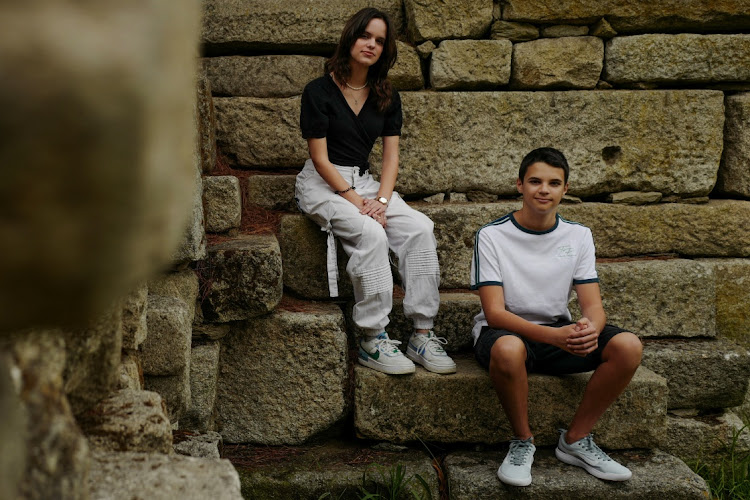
(705, 438)
(656, 475)
(463, 407)
(702, 374)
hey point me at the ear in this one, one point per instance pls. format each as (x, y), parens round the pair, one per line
(519, 185)
(565, 189)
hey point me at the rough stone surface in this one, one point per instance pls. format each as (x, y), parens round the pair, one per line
(515, 32)
(92, 359)
(406, 74)
(167, 348)
(298, 368)
(97, 152)
(200, 445)
(12, 434)
(682, 59)
(222, 203)
(733, 179)
(193, 244)
(131, 372)
(435, 198)
(206, 124)
(203, 331)
(204, 371)
(303, 250)
(129, 475)
(658, 298)
(134, 317)
(703, 439)
(635, 198)
(273, 25)
(273, 192)
(472, 476)
(453, 322)
(337, 469)
(55, 453)
(180, 284)
(470, 64)
(425, 49)
(174, 391)
(603, 29)
(732, 298)
(243, 276)
(635, 17)
(481, 197)
(427, 20)
(262, 76)
(700, 374)
(561, 30)
(129, 421)
(463, 407)
(567, 62)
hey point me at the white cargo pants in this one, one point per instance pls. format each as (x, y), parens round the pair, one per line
(408, 233)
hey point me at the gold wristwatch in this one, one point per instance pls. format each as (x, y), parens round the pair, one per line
(383, 200)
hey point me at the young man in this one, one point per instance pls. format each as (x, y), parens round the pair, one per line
(524, 266)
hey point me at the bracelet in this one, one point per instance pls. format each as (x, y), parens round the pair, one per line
(345, 190)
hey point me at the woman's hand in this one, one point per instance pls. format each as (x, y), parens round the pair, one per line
(380, 219)
(372, 208)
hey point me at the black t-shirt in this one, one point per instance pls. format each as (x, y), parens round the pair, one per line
(350, 137)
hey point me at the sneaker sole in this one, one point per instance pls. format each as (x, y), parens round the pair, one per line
(412, 355)
(383, 368)
(513, 482)
(572, 460)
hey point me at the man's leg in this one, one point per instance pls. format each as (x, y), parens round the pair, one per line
(511, 382)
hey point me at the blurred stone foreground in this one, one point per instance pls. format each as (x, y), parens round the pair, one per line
(98, 170)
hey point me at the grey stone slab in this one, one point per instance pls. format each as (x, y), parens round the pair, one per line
(470, 64)
(204, 373)
(131, 372)
(515, 32)
(463, 407)
(222, 203)
(174, 391)
(206, 124)
(297, 362)
(635, 198)
(563, 30)
(273, 192)
(205, 445)
(406, 74)
(573, 62)
(427, 20)
(704, 439)
(134, 317)
(180, 284)
(733, 179)
(167, 348)
(732, 298)
(655, 475)
(262, 76)
(703, 374)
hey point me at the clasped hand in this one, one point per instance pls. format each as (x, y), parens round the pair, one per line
(581, 338)
(374, 209)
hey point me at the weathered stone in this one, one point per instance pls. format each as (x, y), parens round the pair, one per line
(174, 391)
(262, 76)
(131, 373)
(470, 64)
(515, 32)
(568, 62)
(702, 374)
(337, 470)
(129, 475)
(685, 59)
(435, 198)
(457, 198)
(472, 476)
(303, 250)
(453, 322)
(222, 203)
(425, 49)
(658, 298)
(167, 348)
(200, 445)
(204, 371)
(244, 278)
(262, 133)
(406, 74)
(55, 453)
(180, 284)
(273, 25)
(206, 124)
(481, 197)
(603, 29)
(209, 331)
(704, 439)
(427, 20)
(297, 364)
(134, 317)
(273, 192)
(12, 434)
(602, 85)
(193, 244)
(635, 198)
(637, 16)
(129, 421)
(733, 179)
(97, 153)
(732, 278)
(463, 407)
(92, 359)
(563, 30)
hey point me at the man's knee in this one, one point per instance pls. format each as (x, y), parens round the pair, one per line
(508, 355)
(626, 348)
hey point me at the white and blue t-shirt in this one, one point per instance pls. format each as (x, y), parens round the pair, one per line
(537, 269)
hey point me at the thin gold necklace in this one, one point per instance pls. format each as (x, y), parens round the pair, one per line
(355, 88)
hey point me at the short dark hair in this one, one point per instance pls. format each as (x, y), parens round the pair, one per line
(550, 156)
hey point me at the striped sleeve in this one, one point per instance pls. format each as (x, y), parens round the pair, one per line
(585, 271)
(485, 262)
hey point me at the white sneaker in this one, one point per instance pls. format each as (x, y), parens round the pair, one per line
(585, 453)
(516, 468)
(426, 349)
(383, 355)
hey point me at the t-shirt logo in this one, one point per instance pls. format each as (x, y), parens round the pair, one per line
(565, 252)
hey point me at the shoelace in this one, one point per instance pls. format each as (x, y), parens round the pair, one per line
(591, 447)
(519, 450)
(433, 344)
(387, 346)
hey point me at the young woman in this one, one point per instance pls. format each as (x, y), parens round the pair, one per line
(343, 113)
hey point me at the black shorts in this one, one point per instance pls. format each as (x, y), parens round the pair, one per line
(546, 358)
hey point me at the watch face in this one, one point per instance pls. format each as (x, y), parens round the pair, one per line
(383, 200)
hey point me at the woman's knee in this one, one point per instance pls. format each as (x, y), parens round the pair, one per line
(508, 354)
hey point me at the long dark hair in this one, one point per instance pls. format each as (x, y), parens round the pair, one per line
(377, 74)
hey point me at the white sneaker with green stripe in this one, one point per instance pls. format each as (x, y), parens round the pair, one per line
(382, 354)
